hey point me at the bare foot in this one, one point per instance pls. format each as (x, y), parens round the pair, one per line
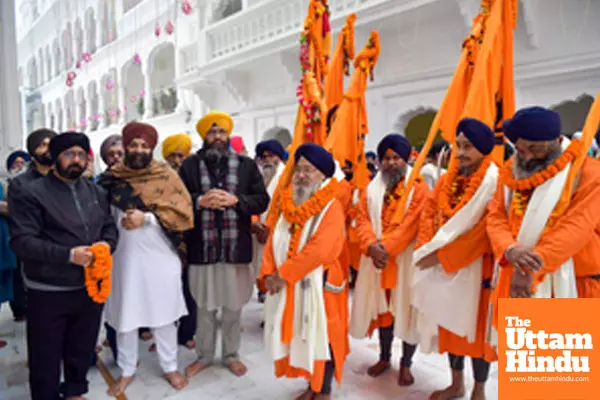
(237, 368)
(378, 369)
(146, 335)
(152, 348)
(190, 344)
(478, 392)
(118, 389)
(451, 392)
(177, 380)
(194, 369)
(3, 343)
(308, 394)
(405, 378)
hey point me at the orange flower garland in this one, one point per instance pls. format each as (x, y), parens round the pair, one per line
(297, 216)
(98, 274)
(523, 188)
(368, 56)
(391, 202)
(458, 191)
(540, 177)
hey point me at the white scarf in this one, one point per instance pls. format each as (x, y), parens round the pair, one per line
(452, 300)
(310, 341)
(257, 247)
(369, 299)
(562, 282)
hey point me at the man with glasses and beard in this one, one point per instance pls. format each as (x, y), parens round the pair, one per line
(227, 190)
(111, 150)
(540, 253)
(54, 222)
(271, 155)
(302, 271)
(153, 210)
(382, 292)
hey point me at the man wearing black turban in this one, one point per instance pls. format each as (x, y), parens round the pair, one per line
(54, 223)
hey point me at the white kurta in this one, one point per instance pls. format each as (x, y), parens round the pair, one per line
(146, 279)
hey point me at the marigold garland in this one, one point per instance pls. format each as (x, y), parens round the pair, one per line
(297, 216)
(537, 179)
(391, 202)
(98, 274)
(458, 191)
(523, 188)
(368, 56)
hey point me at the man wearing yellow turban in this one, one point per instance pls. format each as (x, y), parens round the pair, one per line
(218, 118)
(176, 148)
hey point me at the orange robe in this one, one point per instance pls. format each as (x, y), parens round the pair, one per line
(323, 248)
(395, 240)
(576, 235)
(459, 254)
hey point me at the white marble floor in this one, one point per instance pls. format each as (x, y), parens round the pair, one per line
(217, 383)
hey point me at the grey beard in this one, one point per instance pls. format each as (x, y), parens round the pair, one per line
(392, 177)
(303, 193)
(268, 173)
(216, 153)
(523, 170)
(16, 172)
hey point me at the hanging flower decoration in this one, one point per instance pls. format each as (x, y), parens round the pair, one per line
(69, 82)
(110, 84)
(142, 93)
(110, 36)
(78, 64)
(169, 27)
(137, 59)
(71, 75)
(157, 30)
(133, 99)
(125, 107)
(87, 57)
(98, 274)
(186, 7)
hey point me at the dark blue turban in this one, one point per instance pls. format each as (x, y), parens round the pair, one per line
(320, 158)
(398, 143)
(13, 157)
(536, 124)
(272, 146)
(478, 133)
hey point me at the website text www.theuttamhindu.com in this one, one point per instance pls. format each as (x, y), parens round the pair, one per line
(530, 378)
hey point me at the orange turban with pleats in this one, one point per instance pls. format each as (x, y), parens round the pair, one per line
(220, 118)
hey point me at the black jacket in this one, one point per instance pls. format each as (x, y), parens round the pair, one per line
(50, 218)
(253, 199)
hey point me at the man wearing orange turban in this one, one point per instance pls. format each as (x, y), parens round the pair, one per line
(176, 148)
(219, 118)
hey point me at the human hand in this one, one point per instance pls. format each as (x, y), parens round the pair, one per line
(429, 261)
(524, 259)
(82, 256)
(133, 219)
(379, 255)
(520, 285)
(225, 199)
(261, 231)
(274, 283)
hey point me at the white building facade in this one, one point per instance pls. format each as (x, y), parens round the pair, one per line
(241, 56)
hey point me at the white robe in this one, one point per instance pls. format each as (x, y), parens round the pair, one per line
(257, 247)
(146, 279)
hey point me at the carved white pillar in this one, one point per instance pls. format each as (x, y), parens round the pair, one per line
(148, 112)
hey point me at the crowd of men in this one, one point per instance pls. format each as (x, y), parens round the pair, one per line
(191, 239)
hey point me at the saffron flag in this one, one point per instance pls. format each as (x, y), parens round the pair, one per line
(339, 65)
(347, 138)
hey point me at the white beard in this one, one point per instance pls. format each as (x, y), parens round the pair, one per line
(303, 193)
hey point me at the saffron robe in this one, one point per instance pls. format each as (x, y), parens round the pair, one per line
(349, 199)
(574, 235)
(397, 240)
(454, 256)
(321, 250)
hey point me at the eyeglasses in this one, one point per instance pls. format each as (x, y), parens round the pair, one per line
(71, 154)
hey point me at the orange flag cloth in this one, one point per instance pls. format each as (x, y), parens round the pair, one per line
(347, 138)
(340, 64)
